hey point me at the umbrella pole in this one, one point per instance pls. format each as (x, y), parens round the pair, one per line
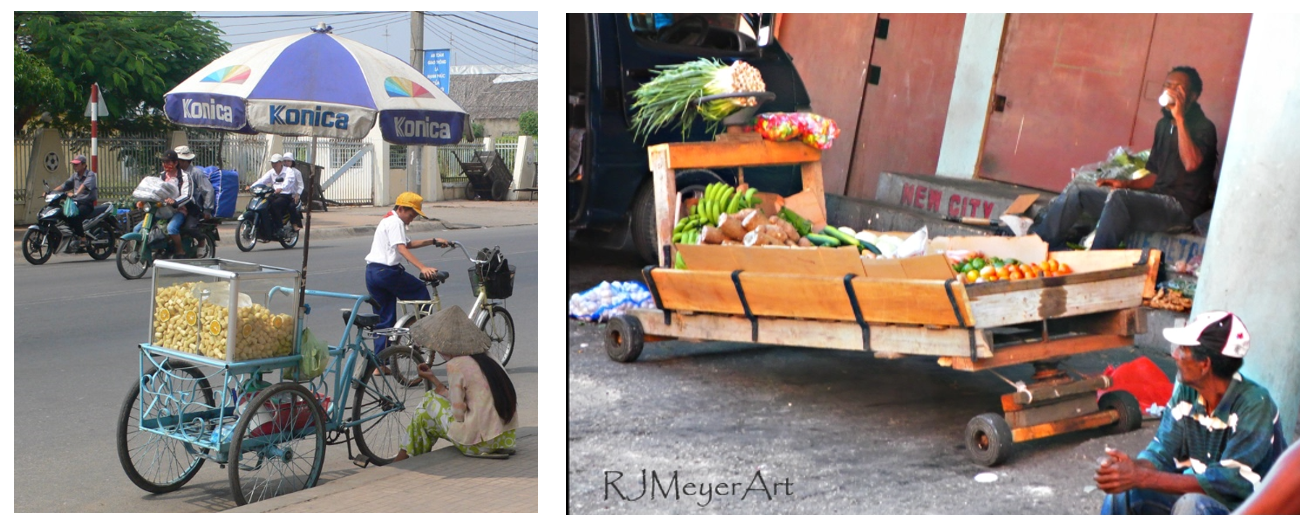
(309, 208)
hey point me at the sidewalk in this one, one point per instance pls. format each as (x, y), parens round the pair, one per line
(443, 481)
(442, 215)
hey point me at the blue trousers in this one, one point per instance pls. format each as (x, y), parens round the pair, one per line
(386, 284)
(1149, 502)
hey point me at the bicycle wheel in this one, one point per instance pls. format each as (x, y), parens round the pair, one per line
(497, 323)
(154, 462)
(277, 444)
(385, 404)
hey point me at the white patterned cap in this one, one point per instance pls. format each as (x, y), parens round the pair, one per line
(1222, 331)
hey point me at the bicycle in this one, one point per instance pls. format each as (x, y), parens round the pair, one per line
(487, 312)
(271, 436)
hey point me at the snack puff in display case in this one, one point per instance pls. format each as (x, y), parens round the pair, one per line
(228, 311)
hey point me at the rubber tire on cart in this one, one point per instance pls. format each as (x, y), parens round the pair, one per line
(500, 189)
(127, 425)
(129, 253)
(989, 439)
(266, 462)
(379, 439)
(624, 338)
(246, 235)
(500, 328)
(1127, 408)
(32, 251)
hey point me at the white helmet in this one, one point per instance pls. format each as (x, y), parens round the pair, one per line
(276, 158)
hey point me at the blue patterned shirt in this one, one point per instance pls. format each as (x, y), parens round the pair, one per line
(1229, 449)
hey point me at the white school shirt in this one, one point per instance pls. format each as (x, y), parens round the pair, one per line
(291, 183)
(390, 233)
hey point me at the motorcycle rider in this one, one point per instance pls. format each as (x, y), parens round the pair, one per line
(184, 205)
(81, 187)
(283, 185)
(289, 162)
(200, 180)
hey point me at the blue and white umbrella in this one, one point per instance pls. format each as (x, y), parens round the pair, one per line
(320, 85)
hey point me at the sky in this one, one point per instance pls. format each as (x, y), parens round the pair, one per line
(475, 37)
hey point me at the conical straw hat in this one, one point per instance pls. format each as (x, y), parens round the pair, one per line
(450, 332)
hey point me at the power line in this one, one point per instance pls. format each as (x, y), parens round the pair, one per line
(496, 42)
(473, 49)
(507, 19)
(483, 25)
(290, 28)
(313, 15)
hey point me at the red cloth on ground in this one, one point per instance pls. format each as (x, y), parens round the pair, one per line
(1141, 378)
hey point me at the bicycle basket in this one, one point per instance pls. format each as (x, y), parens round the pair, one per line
(497, 275)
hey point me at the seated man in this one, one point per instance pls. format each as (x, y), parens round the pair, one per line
(1218, 440)
(1179, 188)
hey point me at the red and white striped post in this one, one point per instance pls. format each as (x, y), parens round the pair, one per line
(95, 111)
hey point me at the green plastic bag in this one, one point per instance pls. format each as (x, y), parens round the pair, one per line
(70, 208)
(314, 358)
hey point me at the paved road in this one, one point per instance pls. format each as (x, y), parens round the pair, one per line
(828, 431)
(75, 359)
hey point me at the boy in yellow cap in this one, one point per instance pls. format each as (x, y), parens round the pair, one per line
(385, 277)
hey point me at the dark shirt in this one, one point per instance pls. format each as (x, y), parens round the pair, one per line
(1193, 189)
(87, 181)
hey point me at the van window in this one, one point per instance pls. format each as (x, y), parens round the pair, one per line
(731, 32)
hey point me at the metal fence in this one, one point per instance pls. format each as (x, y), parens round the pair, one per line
(356, 185)
(122, 162)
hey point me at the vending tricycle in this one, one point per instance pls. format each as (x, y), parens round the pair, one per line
(226, 377)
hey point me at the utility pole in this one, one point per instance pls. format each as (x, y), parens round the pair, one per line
(413, 152)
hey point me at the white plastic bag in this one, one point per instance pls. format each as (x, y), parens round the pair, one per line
(154, 188)
(610, 299)
(914, 245)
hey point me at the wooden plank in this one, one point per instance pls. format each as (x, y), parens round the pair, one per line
(911, 301)
(885, 339)
(1151, 276)
(1095, 260)
(784, 260)
(666, 205)
(1022, 203)
(710, 155)
(1085, 422)
(1039, 351)
(1003, 287)
(1073, 407)
(695, 290)
(1037, 394)
(810, 205)
(1024, 306)
(1129, 322)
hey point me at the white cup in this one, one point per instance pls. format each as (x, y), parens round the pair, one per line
(1164, 99)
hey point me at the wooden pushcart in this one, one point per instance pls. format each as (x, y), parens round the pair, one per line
(487, 174)
(967, 327)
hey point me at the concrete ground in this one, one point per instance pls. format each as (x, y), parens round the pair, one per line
(804, 430)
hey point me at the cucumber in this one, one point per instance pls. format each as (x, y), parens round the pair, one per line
(842, 237)
(799, 223)
(868, 246)
(823, 240)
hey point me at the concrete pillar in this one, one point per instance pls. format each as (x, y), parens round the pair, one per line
(525, 170)
(382, 169)
(488, 144)
(432, 186)
(177, 139)
(1252, 267)
(973, 91)
(47, 163)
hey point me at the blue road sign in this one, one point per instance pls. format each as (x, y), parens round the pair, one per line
(437, 67)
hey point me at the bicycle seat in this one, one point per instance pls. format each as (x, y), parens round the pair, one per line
(363, 320)
(439, 278)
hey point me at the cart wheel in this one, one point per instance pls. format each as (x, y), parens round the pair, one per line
(385, 404)
(1127, 408)
(277, 445)
(989, 439)
(624, 338)
(155, 462)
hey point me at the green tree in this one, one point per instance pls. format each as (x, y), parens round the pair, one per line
(136, 57)
(529, 123)
(34, 82)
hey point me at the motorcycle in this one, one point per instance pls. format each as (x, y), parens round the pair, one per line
(249, 229)
(139, 249)
(53, 233)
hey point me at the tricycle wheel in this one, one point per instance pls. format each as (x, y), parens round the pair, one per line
(989, 439)
(385, 404)
(277, 444)
(1127, 408)
(155, 462)
(624, 338)
(130, 261)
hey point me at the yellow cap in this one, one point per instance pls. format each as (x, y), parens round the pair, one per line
(412, 200)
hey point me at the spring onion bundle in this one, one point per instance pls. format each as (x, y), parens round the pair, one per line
(673, 94)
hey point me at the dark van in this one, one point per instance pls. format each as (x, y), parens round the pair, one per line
(609, 192)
